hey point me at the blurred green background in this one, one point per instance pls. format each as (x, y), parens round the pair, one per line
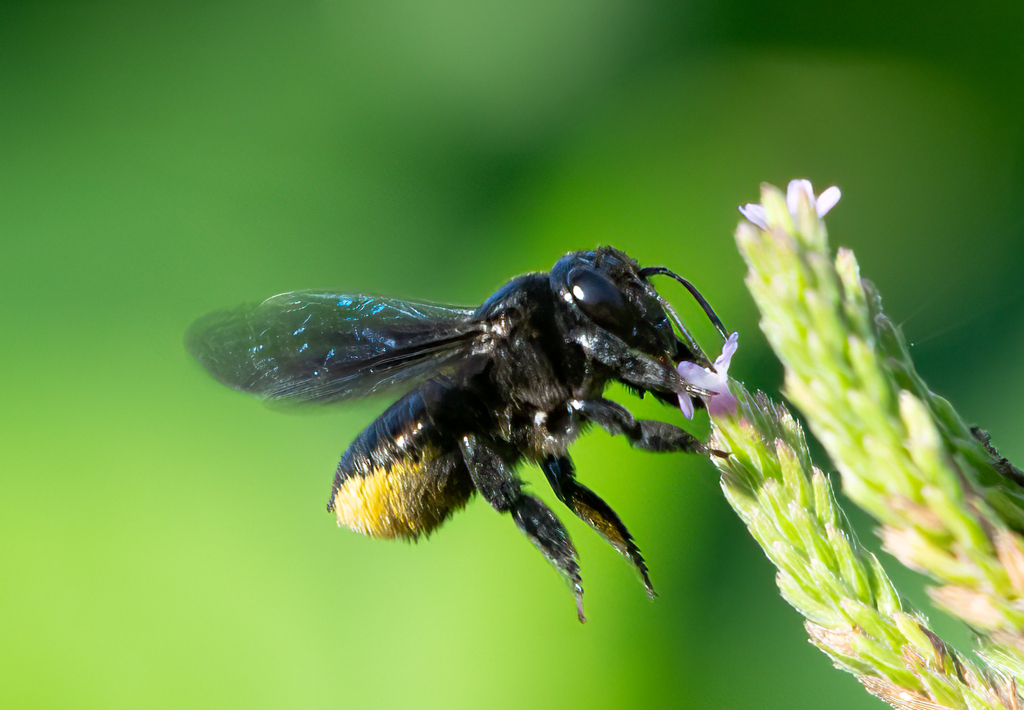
(163, 541)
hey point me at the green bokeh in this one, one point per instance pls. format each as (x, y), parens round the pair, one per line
(163, 541)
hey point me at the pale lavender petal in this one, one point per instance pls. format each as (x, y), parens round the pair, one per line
(755, 214)
(722, 404)
(697, 375)
(722, 361)
(686, 405)
(793, 194)
(827, 200)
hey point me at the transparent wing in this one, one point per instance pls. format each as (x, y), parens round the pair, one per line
(322, 347)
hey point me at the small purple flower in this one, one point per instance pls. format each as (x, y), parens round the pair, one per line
(824, 202)
(721, 402)
(755, 215)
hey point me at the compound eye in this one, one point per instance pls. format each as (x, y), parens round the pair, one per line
(600, 299)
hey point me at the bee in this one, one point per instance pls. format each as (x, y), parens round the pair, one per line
(514, 380)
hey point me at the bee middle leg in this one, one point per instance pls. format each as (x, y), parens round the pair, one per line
(497, 483)
(646, 434)
(592, 510)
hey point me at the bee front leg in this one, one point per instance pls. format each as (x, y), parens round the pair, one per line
(589, 508)
(631, 366)
(646, 434)
(494, 479)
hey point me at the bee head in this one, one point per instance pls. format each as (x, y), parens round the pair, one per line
(608, 289)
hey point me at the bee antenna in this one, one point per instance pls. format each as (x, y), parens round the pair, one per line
(691, 344)
(715, 320)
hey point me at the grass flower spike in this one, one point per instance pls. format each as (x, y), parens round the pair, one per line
(948, 504)
(853, 613)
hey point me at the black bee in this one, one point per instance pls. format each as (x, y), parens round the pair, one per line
(518, 378)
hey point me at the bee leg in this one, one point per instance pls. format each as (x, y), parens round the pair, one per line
(496, 482)
(646, 434)
(589, 508)
(631, 366)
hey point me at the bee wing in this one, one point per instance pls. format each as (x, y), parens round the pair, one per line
(305, 346)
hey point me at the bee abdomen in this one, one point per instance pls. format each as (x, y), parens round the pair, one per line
(397, 479)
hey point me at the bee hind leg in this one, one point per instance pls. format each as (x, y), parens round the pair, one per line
(592, 510)
(494, 479)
